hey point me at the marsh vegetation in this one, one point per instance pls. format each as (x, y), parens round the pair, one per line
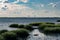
(23, 31)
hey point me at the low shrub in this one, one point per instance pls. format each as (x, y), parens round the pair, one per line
(9, 36)
(29, 27)
(42, 26)
(14, 25)
(58, 20)
(15, 34)
(49, 23)
(35, 24)
(22, 33)
(3, 31)
(52, 30)
(1, 37)
(49, 28)
(21, 26)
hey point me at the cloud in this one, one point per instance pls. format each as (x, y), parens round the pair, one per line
(56, 4)
(15, 10)
(36, 5)
(20, 10)
(2, 1)
(24, 1)
(16, 1)
(45, 13)
(52, 4)
(42, 5)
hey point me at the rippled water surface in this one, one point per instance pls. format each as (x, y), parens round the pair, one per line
(42, 36)
(5, 22)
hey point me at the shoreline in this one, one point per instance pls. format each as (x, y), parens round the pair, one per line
(30, 17)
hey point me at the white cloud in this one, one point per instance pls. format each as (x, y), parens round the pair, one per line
(56, 4)
(37, 5)
(2, 1)
(42, 5)
(16, 1)
(45, 13)
(24, 1)
(15, 10)
(52, 4)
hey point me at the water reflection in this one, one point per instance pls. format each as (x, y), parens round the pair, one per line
(5, 26)
(36, 35)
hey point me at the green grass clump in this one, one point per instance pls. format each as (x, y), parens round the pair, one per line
(3, 31)
(22, 33)
(29, 27)
(9, 36)
(15, 34)
(14, 25)
(1, 37)
(21, 26)
(35, 24)
(50, 28)
(39, 23)
(49, 23)
(42, 26)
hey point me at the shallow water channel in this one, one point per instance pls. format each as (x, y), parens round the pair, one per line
(36, 35)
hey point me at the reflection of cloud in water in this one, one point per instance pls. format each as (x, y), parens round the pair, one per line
(36, 35)
(39, 35)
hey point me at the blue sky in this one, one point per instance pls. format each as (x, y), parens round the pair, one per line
(30, 8)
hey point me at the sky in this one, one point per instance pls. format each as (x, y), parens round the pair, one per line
(29, 8)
